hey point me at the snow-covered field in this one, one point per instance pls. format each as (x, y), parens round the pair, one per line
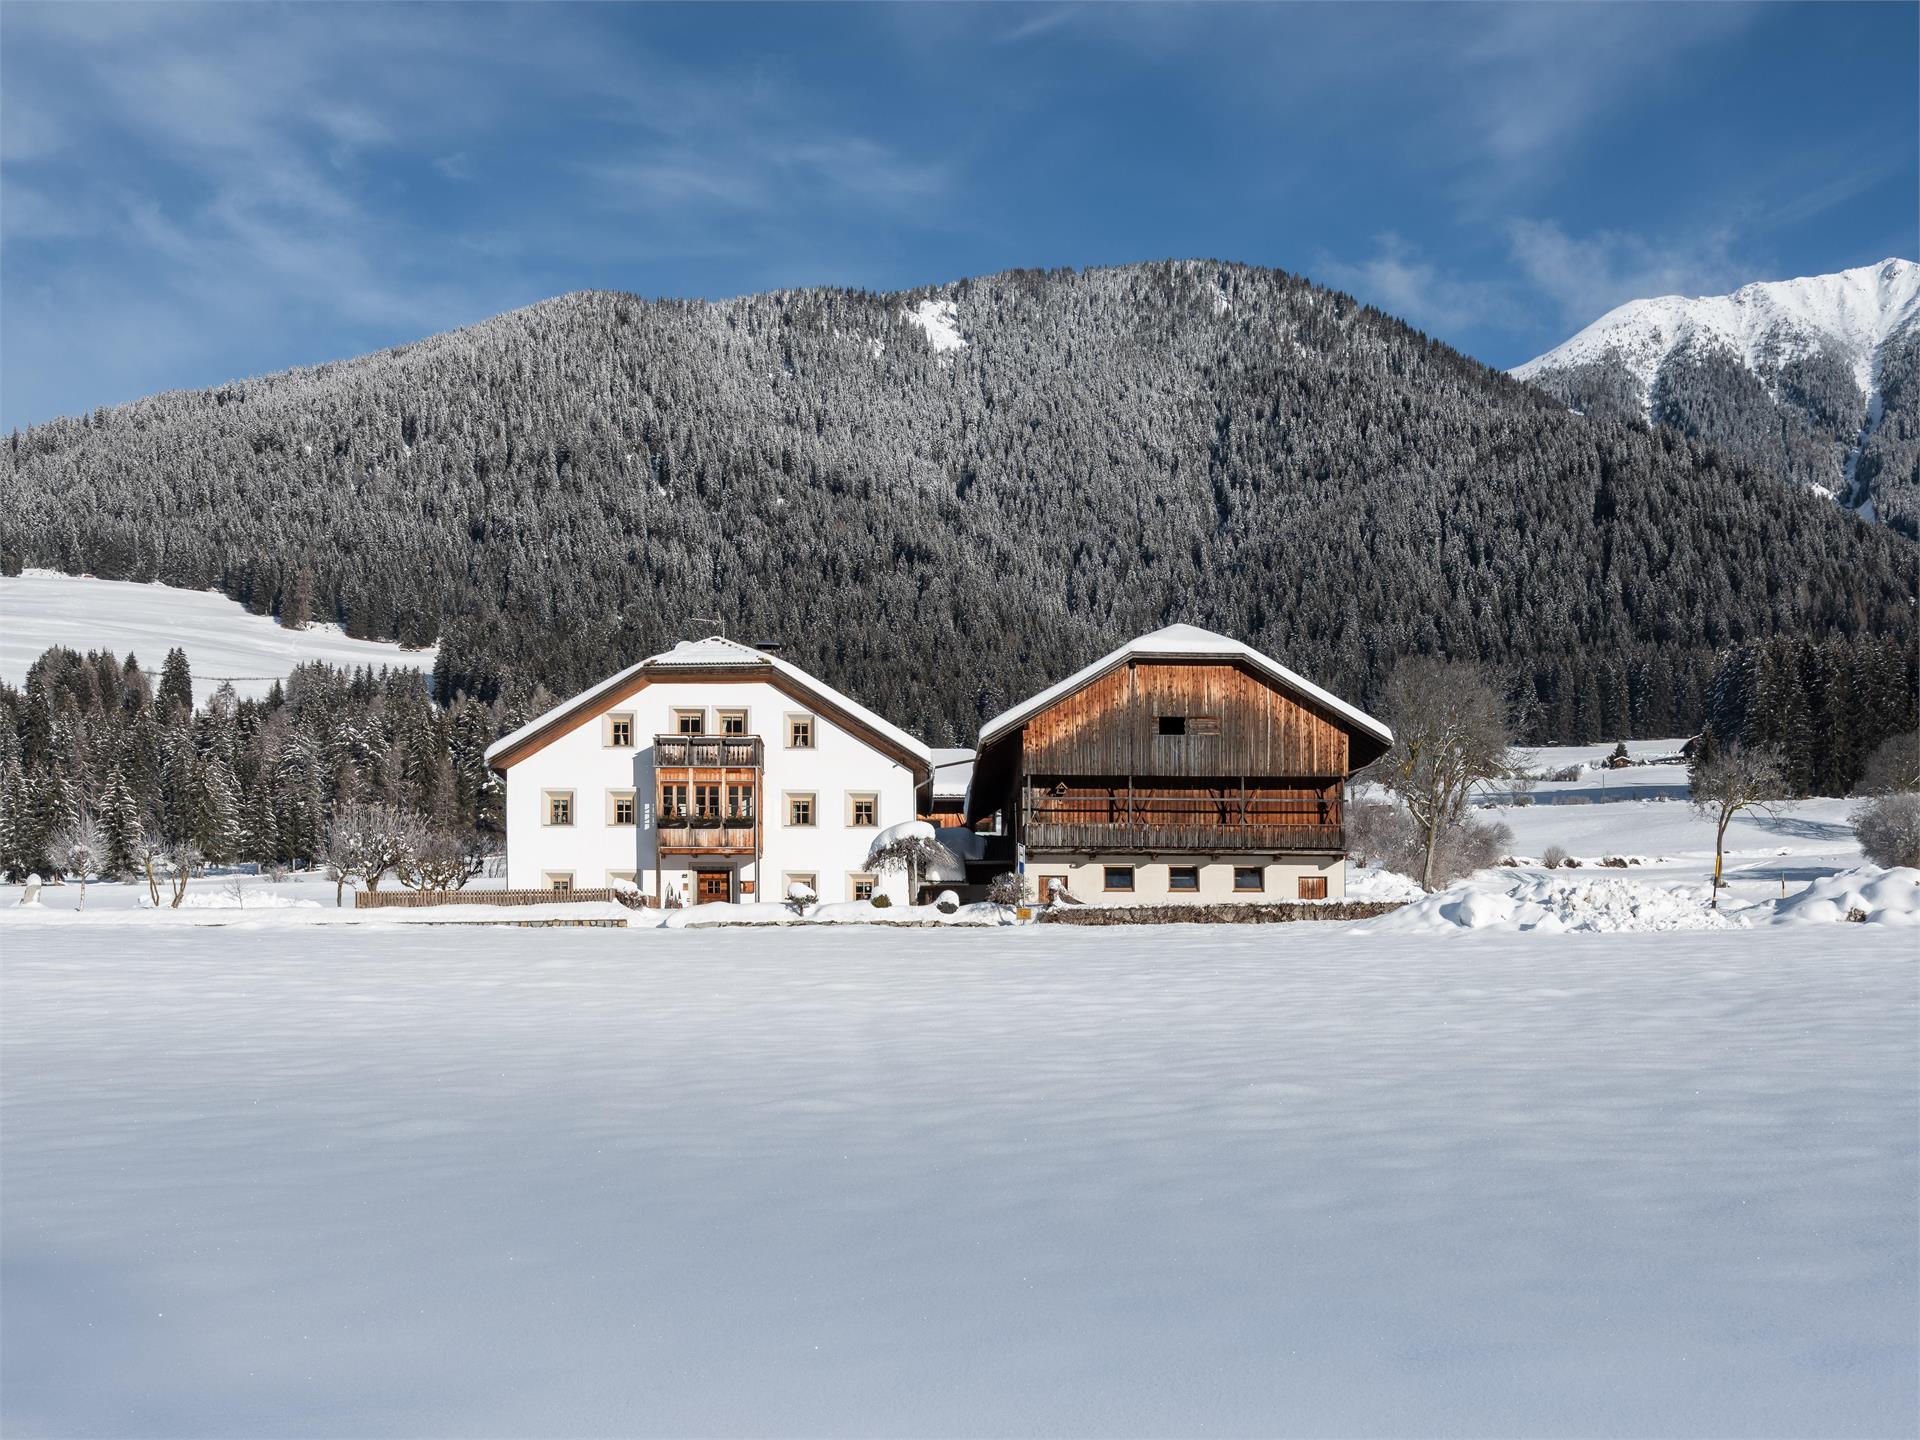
(1281, 1180)
(280, 1168)
(223, 640)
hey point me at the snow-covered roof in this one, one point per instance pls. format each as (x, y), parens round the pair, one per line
(715, 650)
(952, 769)
(1180, 642)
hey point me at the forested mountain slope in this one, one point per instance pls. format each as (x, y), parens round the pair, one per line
(1815, 377)
(945, 500)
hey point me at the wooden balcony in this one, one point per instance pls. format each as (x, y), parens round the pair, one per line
(706, 833)
(708, 752)
(1151, 824)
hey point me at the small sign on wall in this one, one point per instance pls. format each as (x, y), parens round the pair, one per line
(746, 887)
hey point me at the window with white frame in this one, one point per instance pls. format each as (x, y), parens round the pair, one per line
(558, 807)
(863, 809)
(860, 886)
(799, 732)
(620, 807)
(732, 722)
(620, 732)
(689, 722)
(560, 882)
(800, 809)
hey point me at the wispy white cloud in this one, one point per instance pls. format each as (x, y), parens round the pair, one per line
(1583, 277)
(1546, 280)
(1398, 279)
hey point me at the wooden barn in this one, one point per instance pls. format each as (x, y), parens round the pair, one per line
(1184, 766)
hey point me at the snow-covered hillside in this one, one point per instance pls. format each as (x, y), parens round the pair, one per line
(1765, 324)
(223, 640)
(1797, 374)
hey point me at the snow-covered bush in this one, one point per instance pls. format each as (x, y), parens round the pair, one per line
(1892, 767)
(1387, 836)
(1376, 829)
(911, 848)
(946, 902)
(881, 900)
(1009, 890)
(799, 896)
(1555, 857)
(1888, 829)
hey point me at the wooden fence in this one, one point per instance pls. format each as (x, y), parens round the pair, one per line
(410, 899)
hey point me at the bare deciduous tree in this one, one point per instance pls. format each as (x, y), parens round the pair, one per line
(77, 851)
(180, 863)
(1451, 736)
(364, 841)
(440, 859)
(1727, 779)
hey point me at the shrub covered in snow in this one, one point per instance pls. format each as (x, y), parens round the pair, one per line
(1888, 829)
(1555, 857)
(1009, 890)
(946, 902)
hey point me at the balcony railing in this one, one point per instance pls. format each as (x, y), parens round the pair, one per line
(692, 831)
(1158, 822)
(684, 817)
(733, 752)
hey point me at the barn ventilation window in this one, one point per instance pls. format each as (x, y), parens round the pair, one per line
(1173, 724)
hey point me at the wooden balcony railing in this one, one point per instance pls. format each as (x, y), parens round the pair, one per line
(1158, 822)
(708, 751)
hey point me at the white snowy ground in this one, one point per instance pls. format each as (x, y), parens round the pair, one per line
(223, 640)
(286, 1169)
(1273, 1180)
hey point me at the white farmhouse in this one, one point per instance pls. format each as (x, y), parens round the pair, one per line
(713, 771)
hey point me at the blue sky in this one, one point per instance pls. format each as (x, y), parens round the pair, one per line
(189, 195)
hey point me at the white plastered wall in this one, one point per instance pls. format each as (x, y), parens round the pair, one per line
(1281, 874)
(590, 850)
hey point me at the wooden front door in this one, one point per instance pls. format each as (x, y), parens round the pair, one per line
(712, 885)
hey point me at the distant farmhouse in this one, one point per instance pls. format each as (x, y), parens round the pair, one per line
(1184, 766)
(713, 771)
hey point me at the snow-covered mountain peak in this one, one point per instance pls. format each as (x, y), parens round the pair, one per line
(1765, 324)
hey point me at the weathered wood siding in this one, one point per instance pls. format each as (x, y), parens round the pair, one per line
(1247, 727)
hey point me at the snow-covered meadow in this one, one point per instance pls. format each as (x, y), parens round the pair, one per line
(1276, 1180)
(272, 1167)
(223, 640)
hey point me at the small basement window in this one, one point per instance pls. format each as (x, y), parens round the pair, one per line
(1119, 877)
(1249, 877)
(1184, 878)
